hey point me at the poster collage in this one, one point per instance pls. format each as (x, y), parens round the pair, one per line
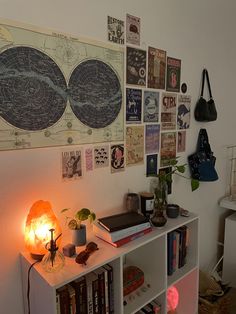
(157, 113)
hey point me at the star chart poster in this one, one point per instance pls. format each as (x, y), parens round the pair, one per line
(136, 66)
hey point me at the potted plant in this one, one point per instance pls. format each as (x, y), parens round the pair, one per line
(75, 224)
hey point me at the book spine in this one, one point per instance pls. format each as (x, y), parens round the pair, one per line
(80, 295)
(132, 237)
(169, 253)
(89, 295)
(95, 286)
(177, 249)
(110, 288)
(64, 301)
(174, 253)
(58, 303)
(72, 299)
(106, 291)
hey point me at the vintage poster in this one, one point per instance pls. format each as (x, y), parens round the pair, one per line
(181, 141)
(156, 68)
(115, 30)
(71, 164)
(101, 156)
(151, 165)
(132, 30)
(88, 159)
(133, 105)
(173, 74)
(168, 111)
(150, 106)
(136, 66)
(165, 171)
(183, 111)
(168, 148)
(117, 158)
(152, 138)
(134, 145)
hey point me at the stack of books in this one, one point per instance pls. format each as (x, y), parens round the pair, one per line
(121, 228)
(151, 308)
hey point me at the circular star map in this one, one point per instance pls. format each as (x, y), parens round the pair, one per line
(95, 93)
(32, 89)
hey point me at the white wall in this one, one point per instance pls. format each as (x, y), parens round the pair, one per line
(201, 33)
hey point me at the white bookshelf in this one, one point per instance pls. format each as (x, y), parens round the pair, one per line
(149, 253)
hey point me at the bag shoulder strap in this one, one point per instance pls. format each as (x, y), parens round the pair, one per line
(205, 74)
(208, 83)
(203, 81)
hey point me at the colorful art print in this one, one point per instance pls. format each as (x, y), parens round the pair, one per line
(133, 105)
(132, 29)
(156, 68)
(117, 158)
(165, 171)
(71, 164)
(136, 66)
(89, 159)
(152, 138)
(115, 30)
(134, 145)
(150, 106)
(101, 156)
(151, 165)
(181, 141)
(168, 111)
(168, 148)
(173, 74)
(183, 112)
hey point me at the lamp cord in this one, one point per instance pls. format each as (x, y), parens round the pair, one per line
(28, 285)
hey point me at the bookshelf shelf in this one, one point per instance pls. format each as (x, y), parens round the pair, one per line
(149, 253)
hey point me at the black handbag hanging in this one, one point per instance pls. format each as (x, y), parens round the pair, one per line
(205, 111)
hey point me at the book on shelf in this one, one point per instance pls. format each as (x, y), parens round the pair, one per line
(122, 221)
(170, 241)
(101, 289)
(114, 236)
(64, 300)
(109, 269)
(90, 277)
(80, 294)
(72, 299)
(95, 286)
(58, 303)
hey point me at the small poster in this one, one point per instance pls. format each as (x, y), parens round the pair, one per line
(183, 112)
(156, 68)
(173, 74)
(101, 156)
(115, 30)
(132, 30)
(89, 159)
(151, 165)
(117, 158)
(168, 147)
(133, 105)
(168, 111)
(136, 66)
(134, 145)
(150, 106)
(152, 138)
(181, 141)
(71, 164)
(165, 171)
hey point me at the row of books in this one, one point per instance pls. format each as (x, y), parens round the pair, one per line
(90, 294)
(151, 308)
(177, 242)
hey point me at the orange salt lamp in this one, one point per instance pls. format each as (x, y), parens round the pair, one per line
(40, 220)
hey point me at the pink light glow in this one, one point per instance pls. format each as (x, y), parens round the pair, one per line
(172, 298)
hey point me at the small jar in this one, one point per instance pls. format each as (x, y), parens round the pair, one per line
(147, 203)
(132, 202)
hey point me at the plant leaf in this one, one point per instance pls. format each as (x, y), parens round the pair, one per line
(181, 168)
(82, 214)
(92, 217)
(64, 210)
(173, 162)
(194, 184)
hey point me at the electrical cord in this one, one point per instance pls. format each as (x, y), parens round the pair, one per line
(28, 284)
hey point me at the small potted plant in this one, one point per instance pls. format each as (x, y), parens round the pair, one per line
(75, 224)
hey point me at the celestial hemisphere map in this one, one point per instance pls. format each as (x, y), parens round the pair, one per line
(58, 90)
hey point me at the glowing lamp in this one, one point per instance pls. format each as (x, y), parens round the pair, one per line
(172, 299)
(40, 220)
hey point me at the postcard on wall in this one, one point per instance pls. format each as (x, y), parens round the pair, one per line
(88, 159)
(156, 68)
(115, 30)
(132, 30)
(136, 66)
(168, 111)
(166, 171)
(168, 148)
(71, 161)
(101, 156)
(117, 158)
(150, 106)
(152, 138)
(183, 111)
(181, 146)
(134, 145)
(151, 165)
(173, 74)
(133, 105)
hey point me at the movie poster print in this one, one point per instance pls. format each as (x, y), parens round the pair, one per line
(136, 66)
(134, 145)
(168, 148)
(168, 111)
(152, 138)
(88, 159)
(181, 141)
(133, 105)
(150, 106)
(117, 158)
(151, 165)
(183, 112)
(132, 30)
(115, 29)
(156, 68)
(101, 156)
(71, 164)
(173, 74)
